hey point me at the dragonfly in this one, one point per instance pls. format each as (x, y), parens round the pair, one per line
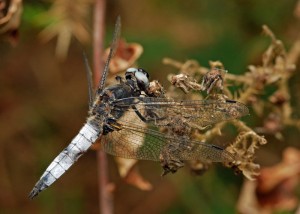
(110, 116)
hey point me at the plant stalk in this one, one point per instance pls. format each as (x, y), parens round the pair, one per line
(105, 196)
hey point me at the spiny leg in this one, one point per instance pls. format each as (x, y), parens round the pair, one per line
(146, 120)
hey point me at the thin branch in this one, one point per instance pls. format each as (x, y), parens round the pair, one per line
(105, 196)
(99, 13)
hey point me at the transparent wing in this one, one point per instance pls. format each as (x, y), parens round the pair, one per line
(202, 113)
(135, 142)
(113, 48)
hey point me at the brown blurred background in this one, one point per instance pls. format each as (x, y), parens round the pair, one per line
(44, 101)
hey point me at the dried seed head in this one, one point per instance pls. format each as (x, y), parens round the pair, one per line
(155, 89)
(185, 83)
(213, 80)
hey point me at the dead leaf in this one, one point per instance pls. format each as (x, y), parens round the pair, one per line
(10, 18)
(126, 55)
(134, 178)
(274, 188)
(125, 165)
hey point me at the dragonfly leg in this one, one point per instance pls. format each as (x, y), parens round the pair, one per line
(120, 79)
(139, 114)
(153, 117)
(169, 162)
(171, 165)
(111, 125)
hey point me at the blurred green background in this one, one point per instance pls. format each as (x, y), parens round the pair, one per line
(44, 101)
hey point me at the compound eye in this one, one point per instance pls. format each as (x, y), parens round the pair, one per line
(144, 71)
(142, 79)
(130, 72)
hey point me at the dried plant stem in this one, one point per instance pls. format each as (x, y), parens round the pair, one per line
(202, 70)
(244, 96)
(98, 39)
(211, 133)
(241, 125)
(105, 196)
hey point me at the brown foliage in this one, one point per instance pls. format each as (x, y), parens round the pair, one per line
(68, 19)
(274, 188)
(10, 18)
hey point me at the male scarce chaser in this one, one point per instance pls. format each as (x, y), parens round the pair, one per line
(127, 138)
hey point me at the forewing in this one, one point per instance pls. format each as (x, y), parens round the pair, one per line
(113, 48)
(202, 113)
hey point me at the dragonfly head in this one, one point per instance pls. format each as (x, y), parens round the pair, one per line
(140, 76)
